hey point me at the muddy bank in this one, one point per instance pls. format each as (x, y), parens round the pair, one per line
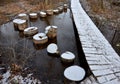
(106, 16)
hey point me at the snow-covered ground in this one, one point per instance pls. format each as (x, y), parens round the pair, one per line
(9, 78)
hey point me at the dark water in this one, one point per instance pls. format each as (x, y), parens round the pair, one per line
(16, 48)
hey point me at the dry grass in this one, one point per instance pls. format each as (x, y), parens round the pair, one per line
(105, 8)
(10, 8)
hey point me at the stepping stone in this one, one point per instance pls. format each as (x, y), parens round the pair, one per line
(51, 31)
(52, 48)
(43, 14)
(68, 57)
(49, 12)
(74, 73)
(31, 31)
(23, 16)
(20, 24)
(56, 11)
(65, 6)
(15, 22)
(60, 8)
(33, 15)
(40, 38)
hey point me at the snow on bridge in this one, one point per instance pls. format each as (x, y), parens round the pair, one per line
(103, 61)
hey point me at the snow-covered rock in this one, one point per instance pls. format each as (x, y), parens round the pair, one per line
(67, 57)
(49, 12)
(56, 11)
(65, 6)
(74, 73)
(43, 14)
(60, 8)
(30, 30)
(52, 48)
(20, 24)
(40, 38)
(33, 15)
(23, 16)
(15, 22)
(51, 31)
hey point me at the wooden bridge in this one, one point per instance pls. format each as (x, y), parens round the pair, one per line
(103, 61)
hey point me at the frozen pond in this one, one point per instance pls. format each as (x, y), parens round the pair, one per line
(18, 49)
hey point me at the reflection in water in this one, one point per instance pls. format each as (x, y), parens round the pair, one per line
(21, 50)
(33, 20)
(42, 46)
(21, 34)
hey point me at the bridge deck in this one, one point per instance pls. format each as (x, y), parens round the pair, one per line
(103, 61)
